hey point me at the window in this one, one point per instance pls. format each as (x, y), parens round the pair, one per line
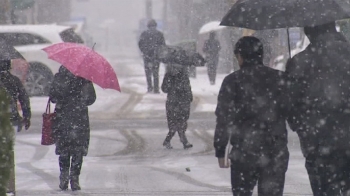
(20, 39)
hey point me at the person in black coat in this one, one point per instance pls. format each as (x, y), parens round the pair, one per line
(251, 116)
(17, 92)
(149, 43)
(320, 108)
(176, 84)
(71, 127)
(212, 48)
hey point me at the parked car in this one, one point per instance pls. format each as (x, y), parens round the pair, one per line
(29, 40)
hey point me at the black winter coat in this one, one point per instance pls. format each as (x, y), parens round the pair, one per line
(250, 109)
(319, 92)
(149, 43)
(16, 90)
(71, 126)
(176, 84)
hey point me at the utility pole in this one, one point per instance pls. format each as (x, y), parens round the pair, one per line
(5, 11)
(165, 16)
(149, 9)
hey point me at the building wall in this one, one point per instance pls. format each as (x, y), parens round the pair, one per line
(53, 11)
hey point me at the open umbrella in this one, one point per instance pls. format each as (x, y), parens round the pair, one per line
(211, 26)
(8, 52)
(273, 14)
(84, 62)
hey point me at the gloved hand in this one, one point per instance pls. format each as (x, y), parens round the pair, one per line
(26, 123)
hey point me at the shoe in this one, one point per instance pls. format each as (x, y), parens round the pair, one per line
(149, 90)
(167, 145)
(63, 186)
(187, 146)
(74, 183)
(156, 92)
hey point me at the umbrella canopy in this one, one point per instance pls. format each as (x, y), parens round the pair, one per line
(211, 26)
(84, 62)
(273, 14)
(8, 52)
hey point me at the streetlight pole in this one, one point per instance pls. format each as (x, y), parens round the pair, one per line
(149, 9)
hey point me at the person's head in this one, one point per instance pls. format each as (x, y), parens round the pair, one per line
(212, 35)
(249, 49)
(5, 65)
(152, 24)
(312, 32)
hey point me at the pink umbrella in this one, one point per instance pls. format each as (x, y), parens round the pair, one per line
(84, 62)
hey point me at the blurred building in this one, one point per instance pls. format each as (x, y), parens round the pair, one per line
(52, 11)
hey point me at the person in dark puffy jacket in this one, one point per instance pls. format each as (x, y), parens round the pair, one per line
(71, 127)
(251, 115)
(17, 93)
(149, 43)
(319, 79)
(177, 85)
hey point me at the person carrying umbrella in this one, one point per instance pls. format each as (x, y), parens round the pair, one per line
(72, 91)
(319, 89)
(250, 115)
(71, 127)
(319, 79)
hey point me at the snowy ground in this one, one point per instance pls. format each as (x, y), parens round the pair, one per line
(129, 159)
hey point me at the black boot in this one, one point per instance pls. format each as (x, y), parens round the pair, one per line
(64, 162)
(188, 145)
(167, 144)
(64, 179)
(74, 183)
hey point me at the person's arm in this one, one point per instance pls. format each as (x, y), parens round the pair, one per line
(142, 42)
(23, 99)
(223, 118)
(88, 94)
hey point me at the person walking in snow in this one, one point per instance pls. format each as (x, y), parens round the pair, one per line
(251, 116)
(149, 43)
(319, 79)
(71, 127)
(176, 84)
(211, 49)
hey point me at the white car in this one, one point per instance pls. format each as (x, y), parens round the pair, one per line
(29, 40)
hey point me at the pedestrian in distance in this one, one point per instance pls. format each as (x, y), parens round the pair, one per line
(176, 84)
(71, 127)
(149, 43)
(319, 79)
(212, 49)
(251, 117)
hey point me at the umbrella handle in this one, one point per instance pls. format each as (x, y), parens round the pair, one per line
(290, 52)
(93, 46)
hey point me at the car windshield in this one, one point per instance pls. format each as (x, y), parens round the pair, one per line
(70, 36)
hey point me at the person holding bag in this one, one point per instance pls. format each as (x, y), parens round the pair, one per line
(71, 127)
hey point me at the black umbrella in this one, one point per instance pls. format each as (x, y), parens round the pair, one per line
(8, 52)
(274, 14)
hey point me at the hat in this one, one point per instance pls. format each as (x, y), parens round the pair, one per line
(151, 23)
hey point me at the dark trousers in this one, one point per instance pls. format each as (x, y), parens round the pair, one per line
(152, 69)
(177, 116)
(212, 67)
(70, 165)
(243, 181)
(329, 175)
